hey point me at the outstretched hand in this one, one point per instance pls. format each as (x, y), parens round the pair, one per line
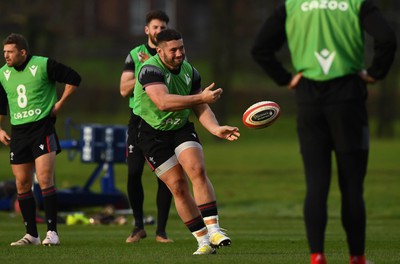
(228, 132)
(209, 95)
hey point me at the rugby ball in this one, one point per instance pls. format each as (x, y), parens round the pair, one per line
(261, 114)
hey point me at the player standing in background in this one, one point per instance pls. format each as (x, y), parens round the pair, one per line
(28, 87)
(167, 90)
(155, 22)
(326, 43)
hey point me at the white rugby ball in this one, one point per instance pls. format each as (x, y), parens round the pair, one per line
(261, 114)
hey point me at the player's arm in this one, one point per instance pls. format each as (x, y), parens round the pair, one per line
(3, 101)
(374, 23)
(208, 120)
(206, 115)
(61, 73)
(165, 101)
(127, 83)
(152, 80)
(68, 91)
(268, 42)
(4, 137)
(128, 80)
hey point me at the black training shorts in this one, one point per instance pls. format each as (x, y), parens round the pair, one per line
(159, 146)
(32, 140)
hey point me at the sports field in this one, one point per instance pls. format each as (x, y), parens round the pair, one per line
(260, 188)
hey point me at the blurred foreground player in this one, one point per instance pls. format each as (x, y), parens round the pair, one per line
(326, 43)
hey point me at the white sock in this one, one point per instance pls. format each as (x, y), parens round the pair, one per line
(202, 236)
(212, 224)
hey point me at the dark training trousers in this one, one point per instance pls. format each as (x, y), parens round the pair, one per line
(136, 160)
(332, 117)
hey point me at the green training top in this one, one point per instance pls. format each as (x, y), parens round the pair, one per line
(180, 84)
(30, 93)
(325, 37)
(136, 59)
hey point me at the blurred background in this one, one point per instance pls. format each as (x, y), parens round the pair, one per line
(95, 36)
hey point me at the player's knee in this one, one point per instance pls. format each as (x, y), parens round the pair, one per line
(196, 172)
(180, 189)
(23, 186)
(45, 181)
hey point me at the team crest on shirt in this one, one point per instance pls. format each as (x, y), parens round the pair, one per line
(7, 74)
(188, 79)
(325, 59)
(168, 77)
(33, 70)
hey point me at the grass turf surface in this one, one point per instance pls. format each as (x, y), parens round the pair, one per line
(260, 188)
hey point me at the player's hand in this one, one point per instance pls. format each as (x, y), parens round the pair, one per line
(228, 133)
(143, 57)
(55, 109)
(365, 77)
(209, 95)
(4, 138)
(295, 81)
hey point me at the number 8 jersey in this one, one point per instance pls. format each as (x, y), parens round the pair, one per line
(31, 95)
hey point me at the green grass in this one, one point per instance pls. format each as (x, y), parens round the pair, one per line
(260, 188)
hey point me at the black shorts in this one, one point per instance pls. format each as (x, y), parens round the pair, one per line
(32, 140)
(132, 129)
(159, 146)
(332, 115)
(132, 148)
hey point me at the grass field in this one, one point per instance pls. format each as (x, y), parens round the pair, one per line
(260, 188)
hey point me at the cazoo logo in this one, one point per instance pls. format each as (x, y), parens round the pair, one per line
(172, 121)
(26, 114)
(324, 4)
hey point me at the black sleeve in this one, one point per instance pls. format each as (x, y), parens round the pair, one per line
(196, 83)
(58, 72)
(3, 101)
(150, 74)
(129, 64)
(373, 22)
(269, 40)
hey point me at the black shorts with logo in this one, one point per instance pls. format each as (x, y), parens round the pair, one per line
(32, 140)
(159, 146)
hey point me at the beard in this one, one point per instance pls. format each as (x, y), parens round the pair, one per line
(153, 39)
(174, 63)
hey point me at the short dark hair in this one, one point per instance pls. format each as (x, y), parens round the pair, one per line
(168, 35)
(19, 41)
(157, 14)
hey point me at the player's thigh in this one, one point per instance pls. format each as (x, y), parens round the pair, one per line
(313, 129)
(176, 181)
(188, 150)
(349, 126)
(191, 158)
